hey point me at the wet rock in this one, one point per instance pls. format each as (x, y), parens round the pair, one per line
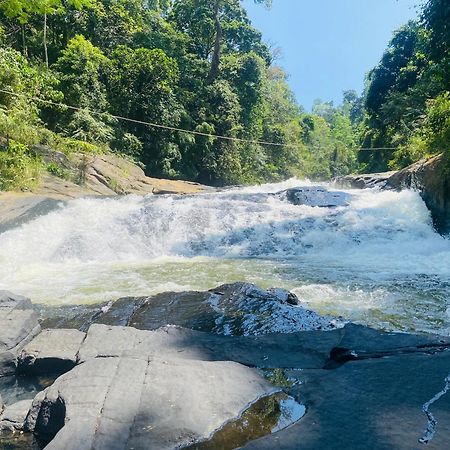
(230, 309)
(363, 181)
(169, 403)
(18, 325)
(374, 403)
(15, 388)
(316, 196)
(79, 317)
(13, 416)
(361, 342)
(51, 352)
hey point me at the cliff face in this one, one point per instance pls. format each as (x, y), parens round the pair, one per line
(429, 176)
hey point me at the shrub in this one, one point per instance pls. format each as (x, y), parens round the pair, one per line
(19, 168)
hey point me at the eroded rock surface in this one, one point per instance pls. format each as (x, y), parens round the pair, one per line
(139, 402)
(18, 325)
(432, 178)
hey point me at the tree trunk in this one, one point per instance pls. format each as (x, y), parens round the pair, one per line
(45, 39)
(215, 61)
(24, 44)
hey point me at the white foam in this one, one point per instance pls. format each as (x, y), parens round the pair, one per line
(96, 249)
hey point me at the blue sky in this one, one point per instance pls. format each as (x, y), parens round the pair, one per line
(329, 45)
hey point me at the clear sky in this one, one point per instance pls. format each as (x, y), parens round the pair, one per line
(329, 45)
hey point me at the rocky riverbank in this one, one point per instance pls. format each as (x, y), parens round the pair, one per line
(431, 177)
(84, 175)
(234, 367)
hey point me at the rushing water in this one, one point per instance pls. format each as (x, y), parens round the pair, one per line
(376, 260)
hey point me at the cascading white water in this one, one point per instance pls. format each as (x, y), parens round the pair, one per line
(377, 259)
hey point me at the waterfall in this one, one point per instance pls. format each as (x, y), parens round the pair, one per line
(378, 252)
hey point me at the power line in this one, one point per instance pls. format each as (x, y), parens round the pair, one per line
(171, 128)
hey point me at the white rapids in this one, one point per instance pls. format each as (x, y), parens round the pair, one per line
(376, 260)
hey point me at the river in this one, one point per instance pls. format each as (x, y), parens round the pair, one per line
(376, 260)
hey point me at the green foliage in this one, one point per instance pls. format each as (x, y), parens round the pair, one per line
(437, 125)
(190, 64)
(19, 168)
(407, 93)
(55, 169)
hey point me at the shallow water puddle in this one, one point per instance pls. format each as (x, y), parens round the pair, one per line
(268, 415)
(18, 441)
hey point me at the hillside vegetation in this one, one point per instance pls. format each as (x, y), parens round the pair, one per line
(200, 65)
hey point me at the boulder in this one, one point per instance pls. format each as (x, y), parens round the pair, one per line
(140, 402)
(51, 352)
(13, 417)
(316, 196)
(18, 325)
(230, 309)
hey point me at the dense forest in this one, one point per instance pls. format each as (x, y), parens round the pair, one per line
(200, 65)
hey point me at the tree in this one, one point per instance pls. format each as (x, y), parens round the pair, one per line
(141, 86)
(81, 68)
(23, 9)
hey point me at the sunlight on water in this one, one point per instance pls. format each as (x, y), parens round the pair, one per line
(377, 260)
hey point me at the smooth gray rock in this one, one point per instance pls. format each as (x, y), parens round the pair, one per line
(13, 416)
(300, 350)
(316, 196)
(59, 350)
(52, 351)
(371, 404)
(18, 325)
(139, 402)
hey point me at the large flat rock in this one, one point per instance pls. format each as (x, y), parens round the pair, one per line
(371, 404)
(18, 325)
(139, 402)
(299, 350)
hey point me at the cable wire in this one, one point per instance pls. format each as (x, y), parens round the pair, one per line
(171, 128)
